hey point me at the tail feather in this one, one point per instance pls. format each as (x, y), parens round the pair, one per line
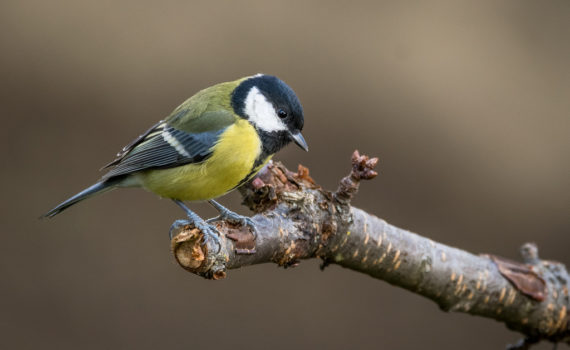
(98, 188)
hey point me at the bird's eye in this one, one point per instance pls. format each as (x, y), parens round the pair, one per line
(282, 114)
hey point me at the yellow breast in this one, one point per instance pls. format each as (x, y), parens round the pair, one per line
(232, 160)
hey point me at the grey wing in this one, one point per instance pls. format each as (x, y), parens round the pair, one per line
(164, 147)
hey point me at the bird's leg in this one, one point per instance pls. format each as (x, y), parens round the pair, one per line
(209, 231)
(228, 215)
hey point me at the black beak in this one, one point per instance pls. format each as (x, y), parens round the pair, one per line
(299, 140)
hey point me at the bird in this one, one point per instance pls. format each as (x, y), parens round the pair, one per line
(214, 142)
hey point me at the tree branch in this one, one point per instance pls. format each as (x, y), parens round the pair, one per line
(297, 219)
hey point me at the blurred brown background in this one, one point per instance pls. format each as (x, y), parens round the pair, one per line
(467, 106)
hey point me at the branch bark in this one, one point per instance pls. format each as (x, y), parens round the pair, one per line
(297, 219)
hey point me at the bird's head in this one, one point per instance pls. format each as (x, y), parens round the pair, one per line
(272, 107)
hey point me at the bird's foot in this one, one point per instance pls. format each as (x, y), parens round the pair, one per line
(234, 218)
(210, 232)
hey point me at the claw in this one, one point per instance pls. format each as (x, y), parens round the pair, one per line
(210, 232)
(177, 227)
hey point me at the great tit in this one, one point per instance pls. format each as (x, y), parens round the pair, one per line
(212, 143)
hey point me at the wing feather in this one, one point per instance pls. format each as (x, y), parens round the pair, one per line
(156, 128)
(164, 147)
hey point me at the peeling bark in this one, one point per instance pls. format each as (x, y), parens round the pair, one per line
(297, 219)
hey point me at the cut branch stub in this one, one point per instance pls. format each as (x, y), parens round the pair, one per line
(187, 248)
(196, 256)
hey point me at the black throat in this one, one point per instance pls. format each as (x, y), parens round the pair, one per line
(272, 142)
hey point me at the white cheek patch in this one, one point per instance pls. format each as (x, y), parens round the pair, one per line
(261, 112)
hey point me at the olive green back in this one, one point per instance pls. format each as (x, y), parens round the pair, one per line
(208, 110)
